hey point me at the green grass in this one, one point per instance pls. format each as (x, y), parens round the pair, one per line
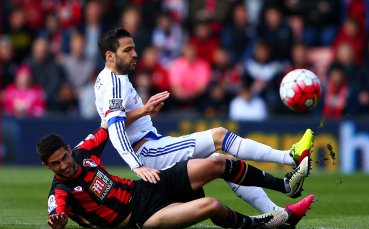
(342, 201)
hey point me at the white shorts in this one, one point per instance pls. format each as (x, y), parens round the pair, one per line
(164, 152)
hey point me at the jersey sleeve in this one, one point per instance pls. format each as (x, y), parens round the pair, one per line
(114, 97)
(57, 201)
(95, 143)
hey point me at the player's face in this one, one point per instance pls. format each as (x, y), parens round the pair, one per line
(126, 56)
(62, 163)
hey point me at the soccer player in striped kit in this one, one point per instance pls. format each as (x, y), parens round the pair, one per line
(138, 142)
(84, 191)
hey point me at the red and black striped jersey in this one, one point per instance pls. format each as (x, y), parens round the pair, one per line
(92, 197)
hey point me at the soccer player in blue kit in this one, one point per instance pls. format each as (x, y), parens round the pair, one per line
(133, 135)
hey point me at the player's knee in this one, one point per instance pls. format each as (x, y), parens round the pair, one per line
(216, 164)
(211, 205)
(218, 135)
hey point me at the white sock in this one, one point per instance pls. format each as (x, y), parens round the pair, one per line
(247, 149)
(255, 196)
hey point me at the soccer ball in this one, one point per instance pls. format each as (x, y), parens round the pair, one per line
(300, 90)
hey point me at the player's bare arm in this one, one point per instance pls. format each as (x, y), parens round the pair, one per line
(152, 107)
(58, 221)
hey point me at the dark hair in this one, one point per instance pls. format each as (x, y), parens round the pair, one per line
(47, 145)
(109, 41)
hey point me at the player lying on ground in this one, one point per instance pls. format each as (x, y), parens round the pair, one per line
(130, 123)
(85, 192)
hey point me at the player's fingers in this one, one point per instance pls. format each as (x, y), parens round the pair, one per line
(157, 177)
(152, 176)
(159, 97)
(142, 176)
(159, 106)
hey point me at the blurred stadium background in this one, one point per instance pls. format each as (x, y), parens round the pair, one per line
(222, 60)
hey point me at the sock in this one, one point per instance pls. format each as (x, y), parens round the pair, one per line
(233, 220)
(247, 149)
(239, 172)
(255, 196)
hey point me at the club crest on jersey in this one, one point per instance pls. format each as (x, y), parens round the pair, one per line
(101, 185)
(89, 163)
(51, 203)
(116, 104)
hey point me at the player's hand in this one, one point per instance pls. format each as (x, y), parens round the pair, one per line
(58, 221)
(148, 174)
(155, 103)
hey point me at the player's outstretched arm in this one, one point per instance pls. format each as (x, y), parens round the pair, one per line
(58, 221)
(153, 106)
(148, 174)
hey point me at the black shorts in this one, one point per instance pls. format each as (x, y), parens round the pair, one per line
(173, 187)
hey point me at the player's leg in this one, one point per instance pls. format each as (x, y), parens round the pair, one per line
(156, 154)
(255, 196)
(248, 149)
(202, 171)
(181, 215)
(166, 151)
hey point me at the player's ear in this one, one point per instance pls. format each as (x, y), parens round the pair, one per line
(45, 165)
(69, 150)
(109, 56)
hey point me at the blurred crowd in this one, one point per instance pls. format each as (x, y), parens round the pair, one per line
(218, 58)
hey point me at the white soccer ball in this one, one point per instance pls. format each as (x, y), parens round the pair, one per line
(300, 90)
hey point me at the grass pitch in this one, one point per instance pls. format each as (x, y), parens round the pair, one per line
(342, 201)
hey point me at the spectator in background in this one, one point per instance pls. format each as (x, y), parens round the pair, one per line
(131, 20)
(204, 41)
(8, 66)
(254, 8)
(215, 12)
(345, 57)
(168, 36)
(77, 66)
(274, 30)
(57, 37)
(20, 34)
(91, 27)
(362, 84)
(69, 12)
(352, 34)
(357, 10)
(261, 69)
(67, 100)
(150, 64)
(247, 106)
(188, 76)
(224, 72)
(337, 93)
(86, 99)
(23, 98)
(33, 12)
(143, 85)
(239, 35)
(321, 20)
(46, 73)
(178, 9)
(299, 58)
(215, 102)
